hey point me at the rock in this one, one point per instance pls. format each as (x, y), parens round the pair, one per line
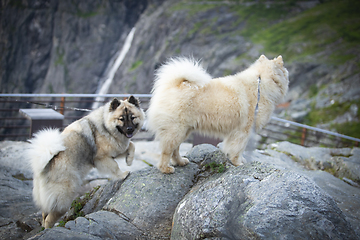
(198, 153)
(271, 196)
(347, 197)
(148, 198)
(63, 233)
(341, 162)
(17, 211)
(299, 116)
(106, 225)
(12, 158)
(258, 201)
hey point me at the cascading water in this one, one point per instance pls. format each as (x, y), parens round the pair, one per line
(113, 67)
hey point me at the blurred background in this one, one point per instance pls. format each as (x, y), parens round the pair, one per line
(114, 46)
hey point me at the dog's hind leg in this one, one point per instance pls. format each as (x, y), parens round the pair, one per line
(44, 215)
(235, 144)
(176, 159)
(51, 219)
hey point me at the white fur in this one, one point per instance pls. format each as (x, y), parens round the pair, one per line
(45, 145)
(185, 98)
(176, 70)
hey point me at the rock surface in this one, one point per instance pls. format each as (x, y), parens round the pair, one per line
(257, 201)
(271, 196)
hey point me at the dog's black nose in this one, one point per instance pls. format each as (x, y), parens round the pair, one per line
(130, 129)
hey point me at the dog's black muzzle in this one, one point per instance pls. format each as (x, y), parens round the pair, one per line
(127, 131)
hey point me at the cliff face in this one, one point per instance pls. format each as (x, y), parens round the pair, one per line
(61, 46)
(67, 46)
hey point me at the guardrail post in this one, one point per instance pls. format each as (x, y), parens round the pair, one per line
(62, 105)
(303, 136)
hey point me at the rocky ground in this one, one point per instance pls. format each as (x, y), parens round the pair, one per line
(285, 191)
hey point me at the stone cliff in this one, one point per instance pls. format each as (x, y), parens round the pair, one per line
(67, 46)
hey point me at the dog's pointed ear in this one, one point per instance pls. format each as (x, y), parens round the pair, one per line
(134, 101)
(262, 57)
(279, 60)
(115, 103)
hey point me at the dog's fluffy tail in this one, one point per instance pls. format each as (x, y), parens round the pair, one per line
(179, 70)
(44, 146)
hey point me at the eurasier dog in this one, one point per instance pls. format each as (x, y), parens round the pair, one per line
(60, 161)
(186, 98)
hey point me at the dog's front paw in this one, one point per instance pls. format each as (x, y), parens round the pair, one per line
(184, 161)
(125, 175)
(238, 161)
(167, 169)
(129, 159)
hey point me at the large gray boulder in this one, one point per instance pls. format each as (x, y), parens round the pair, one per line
(271, 196)
(257, 201)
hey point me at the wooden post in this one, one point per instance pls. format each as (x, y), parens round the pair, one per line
(62, 105)
(303, 136)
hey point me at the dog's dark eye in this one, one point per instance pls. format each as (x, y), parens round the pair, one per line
(133, 117)
(121, 119)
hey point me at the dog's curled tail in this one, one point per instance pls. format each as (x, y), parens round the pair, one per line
(178, 70)
(44, 146)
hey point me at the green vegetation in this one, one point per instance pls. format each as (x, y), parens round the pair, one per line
(21, 177)
(348, 128)
(86, 14)
(332, 25)
(327, 114)
(77, 206)
(294, 136)
(216, 167)
(147, 163)
(323, 115)
(135, 65)
(192, 8)
(259, 17)
(312, 31)
(313, 91)
(60, 53)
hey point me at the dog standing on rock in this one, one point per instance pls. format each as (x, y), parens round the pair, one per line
(186, 98)
(60, 161)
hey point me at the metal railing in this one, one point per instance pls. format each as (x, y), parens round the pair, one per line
(13, 126)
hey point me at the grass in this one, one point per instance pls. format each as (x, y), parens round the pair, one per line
(77, 206)
(349, 128)
(60, 53)
(293, 136)
(192, 9)
(21, 177)
(332, 25)
(312, 31)
(313, 90)
(324, 115)
(216, 167)
(135, 65)
(327, 114)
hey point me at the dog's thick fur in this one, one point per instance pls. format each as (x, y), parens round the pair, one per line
(186, 98)
(60, 161)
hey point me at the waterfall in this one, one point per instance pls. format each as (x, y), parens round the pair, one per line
(113, 67)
